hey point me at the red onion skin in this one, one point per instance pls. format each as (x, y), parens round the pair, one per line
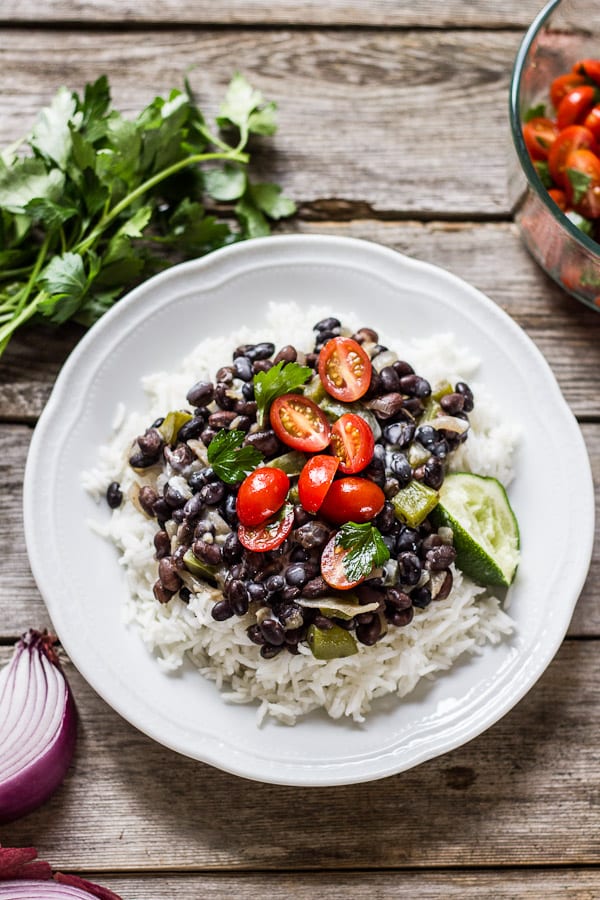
(34, 784)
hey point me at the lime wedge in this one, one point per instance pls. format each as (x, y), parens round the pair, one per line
(486, 532)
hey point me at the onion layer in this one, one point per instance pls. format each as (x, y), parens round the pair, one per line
(38, 726)
(23, 877)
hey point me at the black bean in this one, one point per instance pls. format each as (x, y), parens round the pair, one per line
(208, 552)
(273, 632)
(377, 349)
(221, 610)
(257, 592)
(401, 617)
(222, 418)
(162, 544)
(162, 594)
(322, 338)
(413, 406)
(266, 441)
(174, 498)
(201, 477)
(386, 405)
(246, 408)
(139, 461)
(365, 335)
(167, 574)
(242, 350)
(260, 351)
(421, 597)
(290, 592)
(316, 587)
(386, 519)
(311, 535)
(229, 510)
(286, 354)
(369, 634)
(191, 429)
(452, 403)
(433, 473)
(323, 622)
(201, 393)
(158, 422)
(426, 435)
(212, 493)
(439, 558)
(407, 540)
(396, 598)
(299, 554)
(446, 586)
(248, 390)
(311, 360)
(114, 494)
(274, 583)
(242, 368)
(291, 616)
(224, 376)
(193, 507)
(207, 436)
(415, 386)
(223, 398)
(390, 380)
(162, 510)
(232, 550)
(462, 388)
(185, 594)
(432, 540)
(262, 365)
(401, 469)
(440, 448)
(409, 567)
(147, 498)
(268, 651)
(399, 433)
(296, 575)
(364, 618)
(402, 368)
(255, 634)
(180, 458)
(328, 324)
(150, 443)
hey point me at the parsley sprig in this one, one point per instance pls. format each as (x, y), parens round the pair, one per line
(282, 378)
(366, 549)
(230, 460)
(92, 202)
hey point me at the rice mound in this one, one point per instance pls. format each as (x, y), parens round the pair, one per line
(289, 686)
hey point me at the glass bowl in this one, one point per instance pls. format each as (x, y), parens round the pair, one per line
(564, 32)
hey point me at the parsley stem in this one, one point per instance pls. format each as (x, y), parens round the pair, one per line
(24, 311)
(147, 185)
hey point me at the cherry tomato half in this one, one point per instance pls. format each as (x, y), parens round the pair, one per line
(539, 134)
(344, 369)
(572, 138)
(352, 499)
(583, 182)
(563, 84)
(559, 197)
(575, 105)
(592, 121)
(261, 494)
(270, 534)
(332, 567)
(590, 68)
(299, 423)
(353, 442)
(315, 480)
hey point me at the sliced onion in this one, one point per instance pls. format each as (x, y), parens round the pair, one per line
(332, 604)
(38, 726)
(450, 423)
(23, 877)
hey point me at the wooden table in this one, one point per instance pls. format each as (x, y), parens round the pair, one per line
(393, 127)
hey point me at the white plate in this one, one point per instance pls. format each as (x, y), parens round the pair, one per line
(83, 586)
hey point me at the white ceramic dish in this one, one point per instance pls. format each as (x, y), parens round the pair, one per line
(83, 586)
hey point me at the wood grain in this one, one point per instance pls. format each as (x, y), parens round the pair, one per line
(351, 104)
(526, 792)
(385, 13)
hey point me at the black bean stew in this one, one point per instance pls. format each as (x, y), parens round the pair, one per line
(415, 428)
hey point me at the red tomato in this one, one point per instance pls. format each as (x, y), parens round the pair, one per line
(270, 534)
(559, 197)
(588, 67)
(539, 134)
(262, 493)
(353, 442)
(344, 369)
(563, 84)
(583, 182)
(299, 423)
(352, 499)
(592, 121)
(572, 138)
(575, 105)
(332, 567)
(315, 480)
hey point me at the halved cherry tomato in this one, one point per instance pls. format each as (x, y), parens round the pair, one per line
(575, 105)
(563, 84)
(572, 138)
(592, 121)
(352, 499)
(332, 567)
(539, 134)
(315, 480)
(353, 443)
(299, 423)
(590, 68)
(270, 534)
(344, 369)
(262, 493)
(559, 197)
(583, 182)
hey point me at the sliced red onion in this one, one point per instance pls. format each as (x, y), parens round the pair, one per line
(38, 726)
(23, 877)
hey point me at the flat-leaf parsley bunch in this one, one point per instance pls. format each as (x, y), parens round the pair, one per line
(98, 202)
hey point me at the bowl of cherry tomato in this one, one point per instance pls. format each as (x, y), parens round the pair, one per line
(554, 176)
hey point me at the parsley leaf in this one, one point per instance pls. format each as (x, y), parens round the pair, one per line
(580, 182)
(535, 112)
(282, 378)
(543, 171)
(366, 546)
(229, 459)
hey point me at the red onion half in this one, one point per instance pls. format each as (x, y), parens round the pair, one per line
(38, 726)
(23, 877)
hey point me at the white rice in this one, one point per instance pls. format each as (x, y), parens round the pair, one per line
(289, 686)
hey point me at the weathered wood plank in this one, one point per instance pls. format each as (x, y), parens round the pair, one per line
(524, 792)
(385, 13)
(489, 256)
(561, 884)
(394, 122)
